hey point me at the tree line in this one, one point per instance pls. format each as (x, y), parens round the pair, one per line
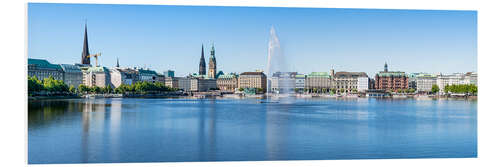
(58, 87)
(463, 88)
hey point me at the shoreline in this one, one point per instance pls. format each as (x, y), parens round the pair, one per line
(233, 96)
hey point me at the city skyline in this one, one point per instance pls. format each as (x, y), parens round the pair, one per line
(443, 41)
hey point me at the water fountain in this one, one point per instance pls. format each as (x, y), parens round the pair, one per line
(278, 69)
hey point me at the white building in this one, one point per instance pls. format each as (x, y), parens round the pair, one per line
(122, 76)
(300, 82)
(425, 82)
(456, 79)
(363, 84)
(283, 82)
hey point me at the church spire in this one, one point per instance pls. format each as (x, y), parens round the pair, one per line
(85, 52)
(385, 67)
(202, 66)
(117, 62)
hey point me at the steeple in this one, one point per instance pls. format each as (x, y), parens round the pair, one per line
(385, 67)
(202, 66)
(212, 64)
(117, 63)
(85, 52)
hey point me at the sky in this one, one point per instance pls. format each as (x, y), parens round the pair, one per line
(162, 37)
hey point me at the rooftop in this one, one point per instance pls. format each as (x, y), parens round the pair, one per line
(252, 73)
(42, 63)
(344, 74)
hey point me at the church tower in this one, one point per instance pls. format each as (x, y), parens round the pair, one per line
(85, 52)
(212, 64)
(385, 67)
(202, 67)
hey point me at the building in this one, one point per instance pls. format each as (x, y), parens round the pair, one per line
(43, 69)
(318, 80)
(172, 82)
(200, 84)
(252, 80)
(121, 76)
(169, 73)
(300, 82)
(160, 79)
(391, 80)
(456, 79)
(72, 75)
(363, 84)
(202, 70)
(425, 82)
(471, 78)
(96, 76)
(212, 64)
(227, 83)
(184, 83)
(85, 52)
(348, 81)
(283, 82)
(147, 75)
(412, 80)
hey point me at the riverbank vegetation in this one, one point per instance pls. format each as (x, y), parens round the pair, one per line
(52, 87)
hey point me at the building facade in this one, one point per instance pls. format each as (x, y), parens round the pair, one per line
(121, 76)
(203, 84)
(227, 83)
(147, 75)
(456, 79)
(391, 80)
(318, 80)
(363, 84)
(425, 82)
(43, 69)
(96, 76)
(73, 75)
(300, 82)
(348, 81)
(283, 82)
(252, 80)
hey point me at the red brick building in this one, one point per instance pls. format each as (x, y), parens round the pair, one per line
(391, 80)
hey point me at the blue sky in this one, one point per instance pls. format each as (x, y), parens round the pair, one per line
(312, 39)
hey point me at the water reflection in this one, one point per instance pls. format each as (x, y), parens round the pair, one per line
(156, 130)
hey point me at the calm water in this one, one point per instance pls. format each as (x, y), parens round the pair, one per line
(166, 130)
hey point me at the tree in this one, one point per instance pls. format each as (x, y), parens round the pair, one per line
(260, 90)
(342, 90)
(296, 90)
(411, 90)
(83, 88)
(241, 89)
(315, 90)
(72, 89)
(435, 89)
(323, 90)
(354, 90)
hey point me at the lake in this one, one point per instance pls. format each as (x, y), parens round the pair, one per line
(171, 130)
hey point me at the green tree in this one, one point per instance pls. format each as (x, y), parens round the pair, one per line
(315, 90)
(342, 90)
(260, 90)
(435, 89)
(241, 89)
(296, 90)
(354, 90)
(72, 89)
(323, 90)
(83, 88)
